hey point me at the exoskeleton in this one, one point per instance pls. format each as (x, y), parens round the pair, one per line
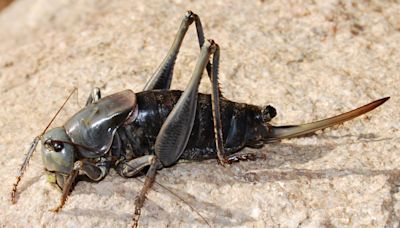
(140, 133)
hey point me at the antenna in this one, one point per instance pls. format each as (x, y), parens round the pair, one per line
(32, 148)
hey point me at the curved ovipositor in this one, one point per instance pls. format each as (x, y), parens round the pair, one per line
(95, 125)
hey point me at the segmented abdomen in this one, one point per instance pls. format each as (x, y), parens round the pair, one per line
(242, 125)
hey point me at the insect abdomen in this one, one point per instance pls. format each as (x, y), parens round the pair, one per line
(242, 124)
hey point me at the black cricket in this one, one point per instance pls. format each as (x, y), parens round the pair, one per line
(140, 133)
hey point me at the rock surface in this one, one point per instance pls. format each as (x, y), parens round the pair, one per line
(310, 60)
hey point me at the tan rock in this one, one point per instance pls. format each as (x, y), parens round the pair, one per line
(309, 60)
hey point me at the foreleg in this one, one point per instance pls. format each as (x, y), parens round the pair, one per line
(95, 171)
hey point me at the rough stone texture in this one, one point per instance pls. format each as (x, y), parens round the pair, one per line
(310, 59)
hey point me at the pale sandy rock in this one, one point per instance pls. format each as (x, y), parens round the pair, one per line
(309, 60)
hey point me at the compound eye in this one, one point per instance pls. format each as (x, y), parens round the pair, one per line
(54, 145)
(58, 146)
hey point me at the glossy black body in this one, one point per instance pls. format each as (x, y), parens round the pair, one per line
(243, 125)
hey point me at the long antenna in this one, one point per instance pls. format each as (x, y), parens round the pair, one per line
(32, 149)
(180, 198)
(184, 201)
(59, 110)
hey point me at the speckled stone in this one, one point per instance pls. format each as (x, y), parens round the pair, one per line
(310, 60)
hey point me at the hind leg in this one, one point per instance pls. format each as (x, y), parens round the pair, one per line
(174, 134)
(162, 78)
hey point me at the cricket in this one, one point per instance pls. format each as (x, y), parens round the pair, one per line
(139, 133)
